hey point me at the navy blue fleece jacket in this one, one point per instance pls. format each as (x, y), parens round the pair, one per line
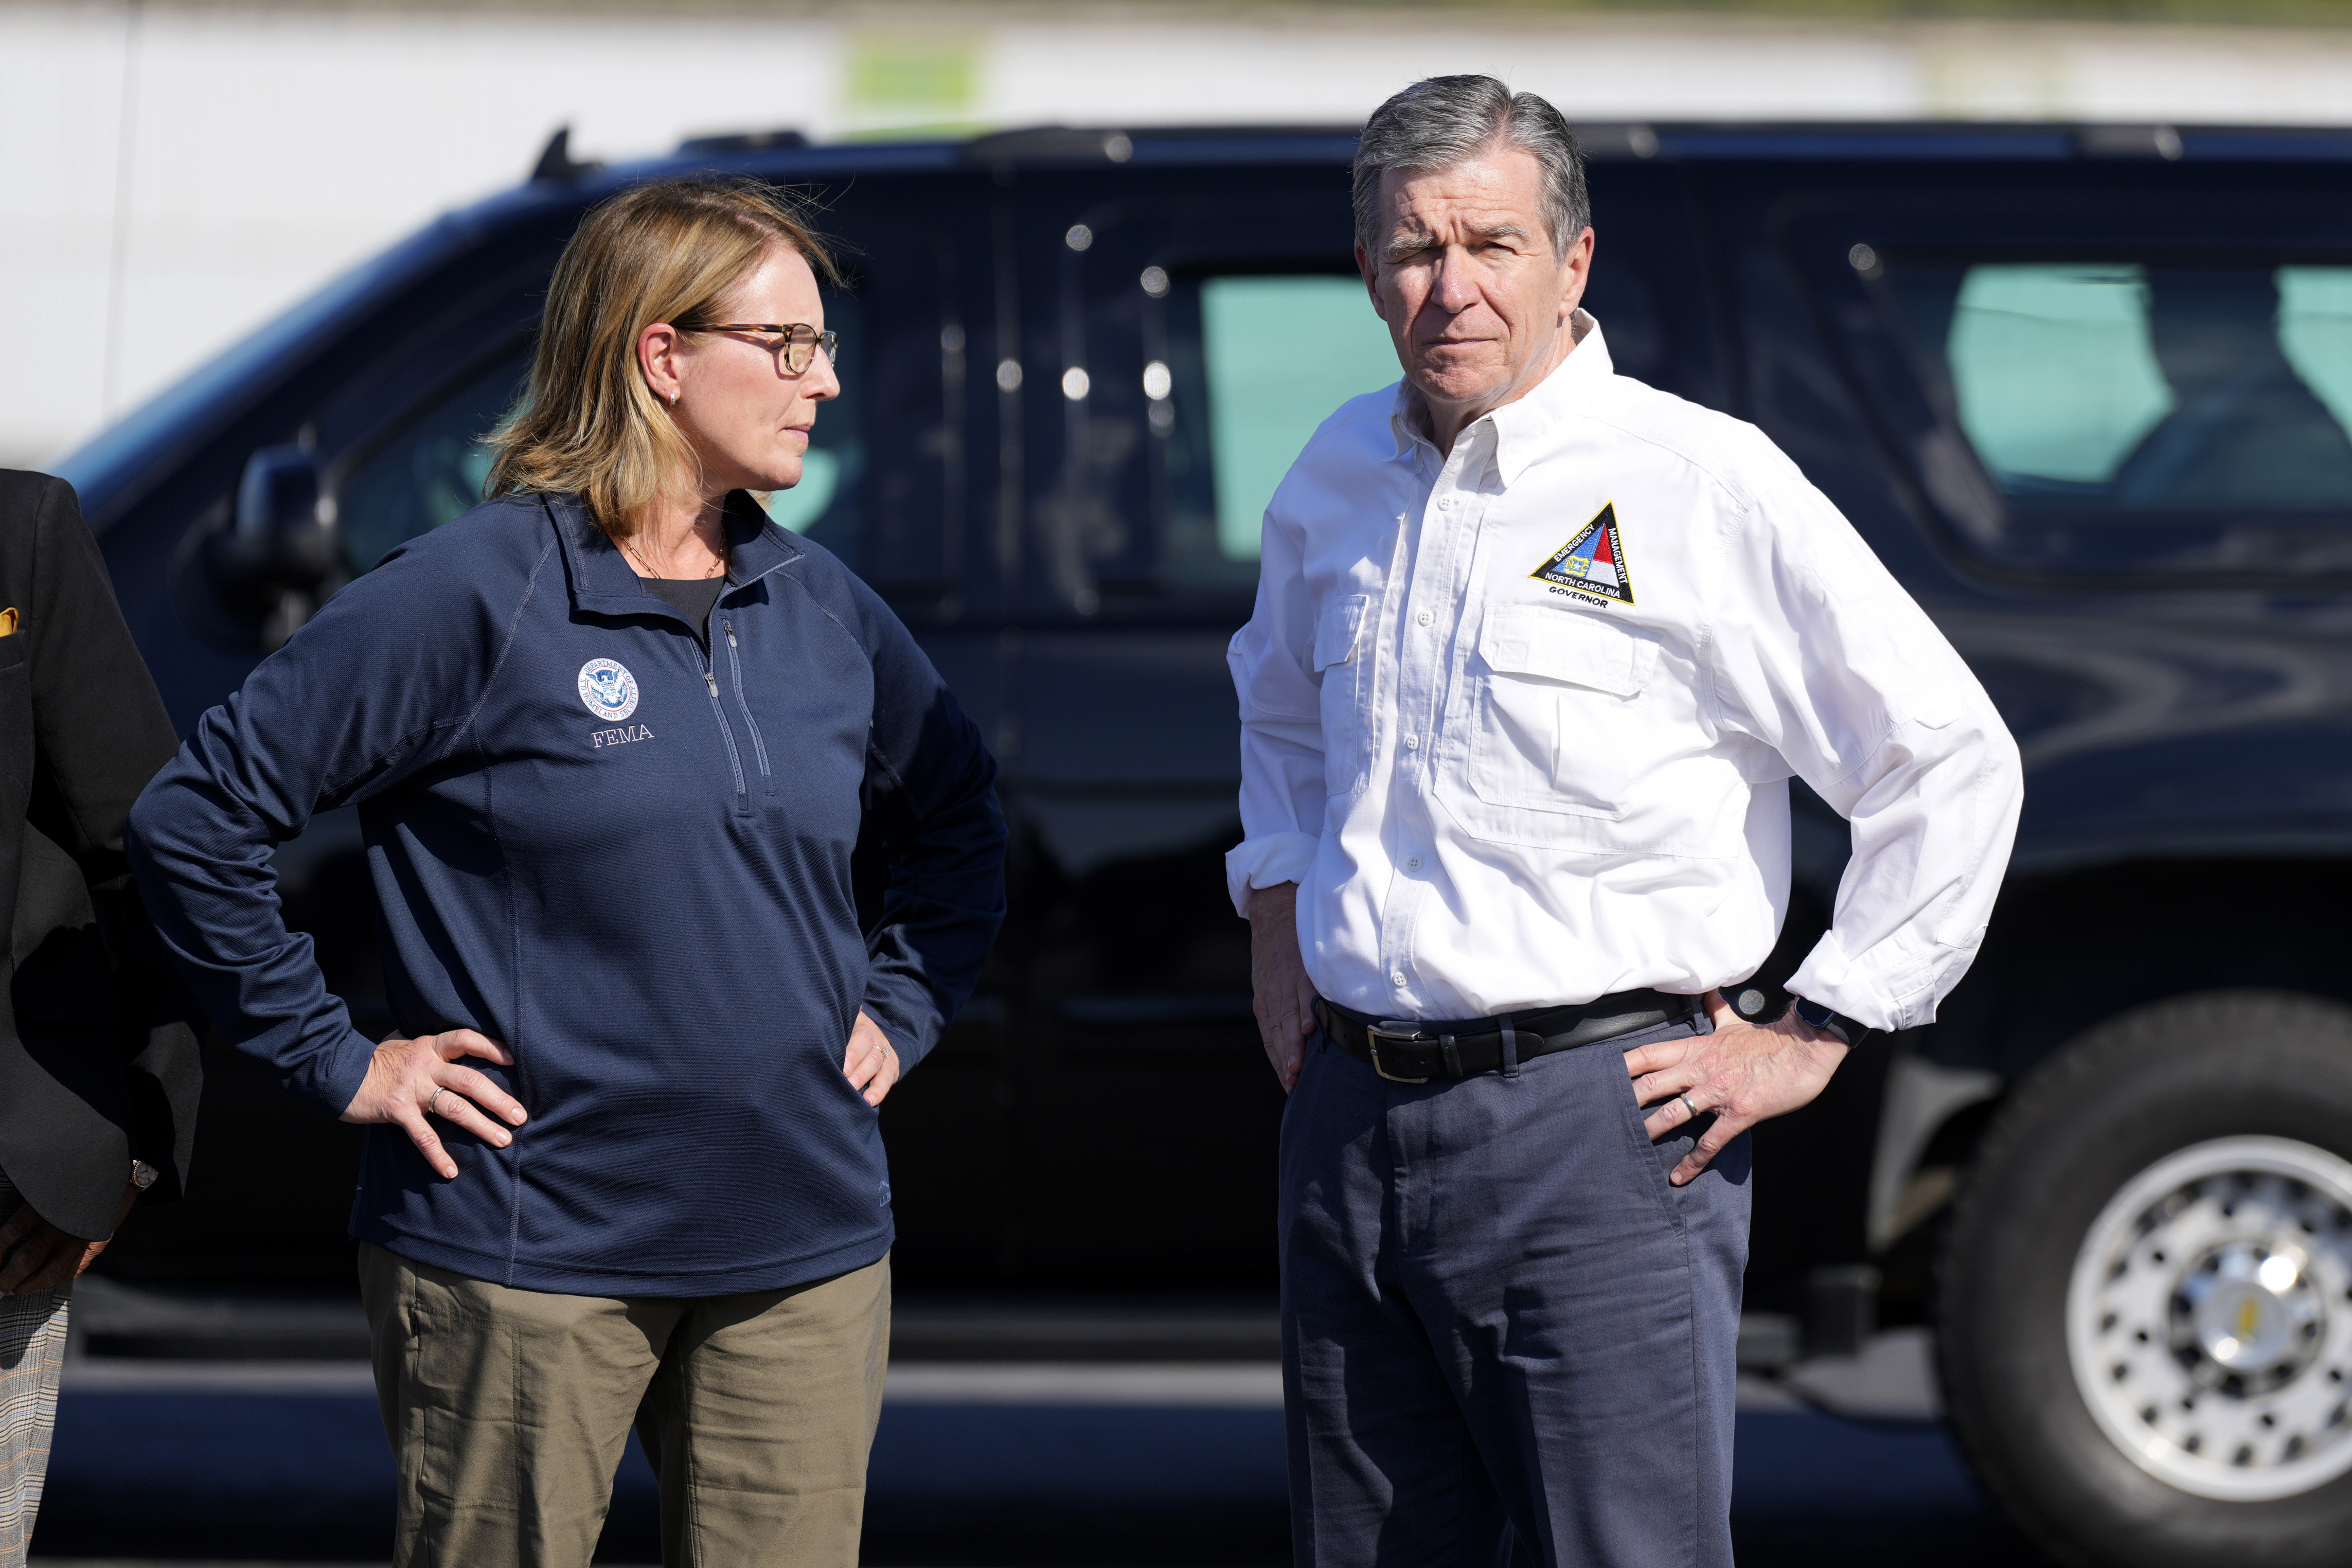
(627, 859)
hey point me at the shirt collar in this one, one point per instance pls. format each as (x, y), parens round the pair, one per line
(1521, 427)
(602, 579)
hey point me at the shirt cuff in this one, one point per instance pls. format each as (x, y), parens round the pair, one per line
(1857, 988)
(1268, 861)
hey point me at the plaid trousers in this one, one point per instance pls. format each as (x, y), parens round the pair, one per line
(32, 1350)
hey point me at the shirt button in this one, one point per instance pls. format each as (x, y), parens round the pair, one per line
(1413, 864)
(1424, 618)
(1396, 977)
(1412, 742)
(1444, 503)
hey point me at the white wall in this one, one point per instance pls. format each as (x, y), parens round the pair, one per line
(169, 178)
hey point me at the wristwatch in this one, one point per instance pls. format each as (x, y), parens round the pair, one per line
(142, 1174)
(1847, 1031)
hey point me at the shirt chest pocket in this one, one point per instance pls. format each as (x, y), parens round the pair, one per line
(1563, 723)
(1343, 663)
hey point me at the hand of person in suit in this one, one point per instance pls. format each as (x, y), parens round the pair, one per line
(411, 1081)
(36, 1256)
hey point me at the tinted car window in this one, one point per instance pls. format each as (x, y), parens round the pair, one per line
(2055, 380)
(428, 471)
(1256, 363)
(1281, 353)
(430, 467)
(2156, 412)
(2140, 388)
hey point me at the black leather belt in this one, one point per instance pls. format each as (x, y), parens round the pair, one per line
(1409, 1050)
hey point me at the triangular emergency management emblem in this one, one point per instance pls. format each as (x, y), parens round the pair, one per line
(1593, 561)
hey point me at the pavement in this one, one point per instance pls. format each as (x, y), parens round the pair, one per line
(1841, 1461)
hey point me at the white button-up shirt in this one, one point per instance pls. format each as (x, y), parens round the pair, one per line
(1519, 720)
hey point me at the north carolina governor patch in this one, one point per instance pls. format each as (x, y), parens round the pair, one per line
(1593, 561)
(608, 690)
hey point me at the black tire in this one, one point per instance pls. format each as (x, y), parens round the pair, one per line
(2114, 1102)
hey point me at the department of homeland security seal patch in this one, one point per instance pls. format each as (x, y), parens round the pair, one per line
(1593, 561)
(609, 690)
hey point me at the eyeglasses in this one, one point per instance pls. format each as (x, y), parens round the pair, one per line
(800, 341)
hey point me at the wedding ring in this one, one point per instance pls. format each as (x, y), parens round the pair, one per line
(1689, 1106)
(439, 1092)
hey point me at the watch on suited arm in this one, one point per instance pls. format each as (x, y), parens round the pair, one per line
(1845, 1030)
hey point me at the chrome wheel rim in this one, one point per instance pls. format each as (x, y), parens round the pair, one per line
(2209, 1320)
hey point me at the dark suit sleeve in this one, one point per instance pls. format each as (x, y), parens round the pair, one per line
(932, 816)
(99, 732)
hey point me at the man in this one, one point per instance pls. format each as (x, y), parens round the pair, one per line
(2245, 429)
(99, 1076)
(1536, 649)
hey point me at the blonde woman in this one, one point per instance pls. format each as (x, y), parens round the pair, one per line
(613, 736)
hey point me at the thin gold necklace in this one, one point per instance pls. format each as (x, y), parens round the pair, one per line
(716, 566)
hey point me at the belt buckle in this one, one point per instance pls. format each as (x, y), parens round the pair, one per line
(1375, 1033)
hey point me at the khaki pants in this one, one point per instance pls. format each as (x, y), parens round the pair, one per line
(508, 1411)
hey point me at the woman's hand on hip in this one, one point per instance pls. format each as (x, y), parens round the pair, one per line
(1742, 1074)
(412, 1082)
(870, 1063)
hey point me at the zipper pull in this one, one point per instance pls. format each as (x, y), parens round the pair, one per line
(711, 681)
(729, 628)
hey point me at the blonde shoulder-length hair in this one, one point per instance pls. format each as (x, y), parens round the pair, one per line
(668, 250)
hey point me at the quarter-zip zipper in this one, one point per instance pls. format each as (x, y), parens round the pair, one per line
(735, 668)
(734, 757)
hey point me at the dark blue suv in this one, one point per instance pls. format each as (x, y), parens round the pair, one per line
(2086, 391)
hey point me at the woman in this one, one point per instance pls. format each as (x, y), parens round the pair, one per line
(613, 737)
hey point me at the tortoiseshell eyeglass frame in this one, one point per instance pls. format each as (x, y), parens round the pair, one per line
(800, 340)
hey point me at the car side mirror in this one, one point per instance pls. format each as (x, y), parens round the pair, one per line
(279, 551)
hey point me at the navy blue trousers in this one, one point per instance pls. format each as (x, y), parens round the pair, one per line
(1498, 1318)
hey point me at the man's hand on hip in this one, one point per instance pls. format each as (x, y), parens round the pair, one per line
(1281, 994)
(1741, 1073)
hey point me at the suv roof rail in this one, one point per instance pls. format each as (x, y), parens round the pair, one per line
(1050, 144)
(2128, 141)
(1612, 139)
(742, 142)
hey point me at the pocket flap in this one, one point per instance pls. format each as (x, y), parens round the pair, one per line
(1337, 632)
(1562, 644)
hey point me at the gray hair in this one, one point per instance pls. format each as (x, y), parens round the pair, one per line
(1443, 121)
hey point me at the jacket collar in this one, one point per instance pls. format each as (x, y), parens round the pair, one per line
(1523, 428)
(602, 580)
